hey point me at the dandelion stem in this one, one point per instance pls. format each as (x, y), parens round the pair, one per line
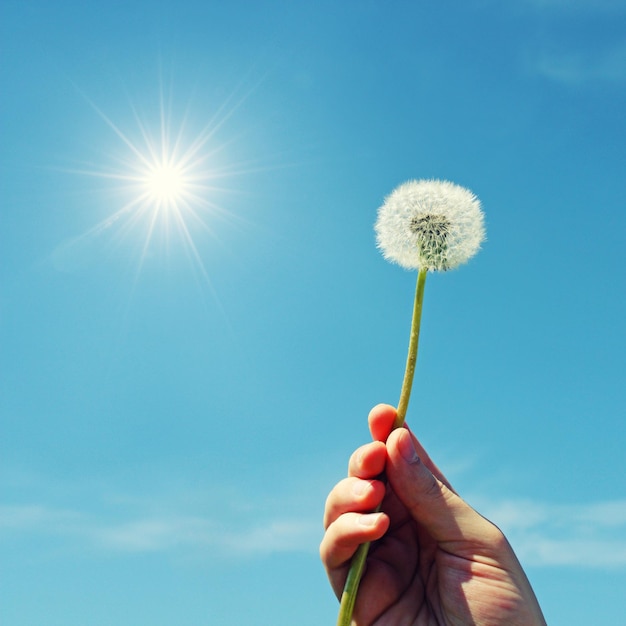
(411, 358)
(348, 597)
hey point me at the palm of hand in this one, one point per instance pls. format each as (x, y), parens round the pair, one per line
(412, 579)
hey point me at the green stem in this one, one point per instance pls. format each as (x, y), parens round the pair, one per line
(411, 358)
(348, 597)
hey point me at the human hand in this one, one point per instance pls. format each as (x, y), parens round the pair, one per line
(435, 560)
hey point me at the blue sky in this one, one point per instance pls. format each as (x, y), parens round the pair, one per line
(176, 404)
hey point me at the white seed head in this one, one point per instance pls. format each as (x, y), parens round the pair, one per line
(430, 224)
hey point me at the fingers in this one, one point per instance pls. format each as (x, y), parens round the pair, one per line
(445, 516)
(381, 419)
(347, 516)
(368, 461)
(359, 491)
(352, 495)
(347, 533)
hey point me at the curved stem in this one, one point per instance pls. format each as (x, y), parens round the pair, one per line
(348, 597)
(411, 358)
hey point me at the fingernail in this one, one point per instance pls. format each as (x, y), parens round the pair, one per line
(407, 449)
(369, 519)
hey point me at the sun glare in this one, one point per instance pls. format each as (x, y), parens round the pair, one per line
(165, 181)
(165, 184)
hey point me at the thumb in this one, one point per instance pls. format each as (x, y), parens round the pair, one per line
(443, 514)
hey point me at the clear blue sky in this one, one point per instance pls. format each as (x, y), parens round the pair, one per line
(172, 417)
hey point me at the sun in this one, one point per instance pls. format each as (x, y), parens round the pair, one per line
(166, 184)
(166, 181)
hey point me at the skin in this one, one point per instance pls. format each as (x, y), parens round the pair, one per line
(436, 561)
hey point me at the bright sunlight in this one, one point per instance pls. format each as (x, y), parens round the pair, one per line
(166, 183)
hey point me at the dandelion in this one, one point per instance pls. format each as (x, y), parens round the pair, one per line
(430, 224)
(426, 225)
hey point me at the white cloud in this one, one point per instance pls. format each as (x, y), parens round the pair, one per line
(583, 552)
(163, 517)
(577, 68)
(155, 534)
(582, 535)
(179, 533)
(163, 533)
(279, 535)
(32, 518)
(590, 535)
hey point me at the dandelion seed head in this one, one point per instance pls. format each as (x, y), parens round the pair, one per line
(430, 224)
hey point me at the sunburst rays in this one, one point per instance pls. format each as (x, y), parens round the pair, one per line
(167, 179)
